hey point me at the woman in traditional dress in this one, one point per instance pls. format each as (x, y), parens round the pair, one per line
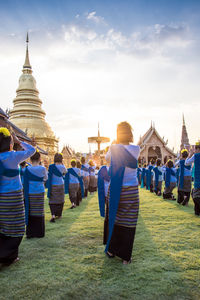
(123, 194)
(34, 190)
(158, 177)
(195, 161)
(73, 181)
(12, 220)
(79, 196)
(56, 191)
(85, 170)
(92, 181)
(170, 180)
(103, 186)
(184, 179)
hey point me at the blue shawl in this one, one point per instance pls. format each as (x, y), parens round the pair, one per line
(28, 176)
(197, 171)
(8, 172)
(120, 158)
(139, 171)
(142, 177)
(52, 170)
(182, 167)
(169, 173)
(73, 173)
(84, 168)
(102, 175)
(157, 174)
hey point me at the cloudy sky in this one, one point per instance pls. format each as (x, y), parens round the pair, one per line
(106, 61)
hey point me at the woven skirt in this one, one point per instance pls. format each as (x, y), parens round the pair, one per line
(12, 219)
(36, 224)
(187, 184)
(123, 235)
(57, 195)
(92, 184)
(12, 225)
(86, 182)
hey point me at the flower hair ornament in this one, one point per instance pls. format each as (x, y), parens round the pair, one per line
(5, 131)
(184, 150)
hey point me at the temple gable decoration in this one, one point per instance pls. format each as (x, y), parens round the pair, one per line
(153, 146)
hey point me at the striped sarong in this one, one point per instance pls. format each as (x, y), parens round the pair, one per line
(12, 218)
(127, 213)
(36, 205)
(57, 195)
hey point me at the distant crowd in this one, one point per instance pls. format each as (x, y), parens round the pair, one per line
(180, 174)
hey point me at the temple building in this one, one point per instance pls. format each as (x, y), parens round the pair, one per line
(153, 146)
(68, 154)
(27, 113)
(184, 137)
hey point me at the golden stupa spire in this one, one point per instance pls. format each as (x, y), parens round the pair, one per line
(27, 64)
(183, 120)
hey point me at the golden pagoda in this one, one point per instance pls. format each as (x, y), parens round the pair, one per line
(28, 114)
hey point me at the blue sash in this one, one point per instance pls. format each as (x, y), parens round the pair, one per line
(169, 173)
(193, 171)
(157, 174)
(84, 168)
(197, 171)
(28, 176)
(52, 170)
(120, 158)
(182, 169)
(72, 172)
(102, 175)
(8, 172)
(142, 177)
(138, 174)
(148, 178)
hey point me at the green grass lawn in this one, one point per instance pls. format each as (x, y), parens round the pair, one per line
(69, 263)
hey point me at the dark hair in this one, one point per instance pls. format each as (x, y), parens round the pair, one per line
(82, 159)
(35, 156)
(197, 147)
(4, 143)
(58, 158)
(152, 161)
(78, 164)
(158, 162)
(184, 154)
(124, 133)
(170, 164)
(144, 165)
(23, 164)
(73, 163)
(139, 165)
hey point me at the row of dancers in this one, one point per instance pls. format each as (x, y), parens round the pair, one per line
(22, 185)
(117, 190)
(181, 174)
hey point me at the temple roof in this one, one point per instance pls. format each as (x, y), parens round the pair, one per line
(5, 122)
(67, 150)
(146, 137)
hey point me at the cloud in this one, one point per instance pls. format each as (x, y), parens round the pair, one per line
(86, 75)
(93, 17)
